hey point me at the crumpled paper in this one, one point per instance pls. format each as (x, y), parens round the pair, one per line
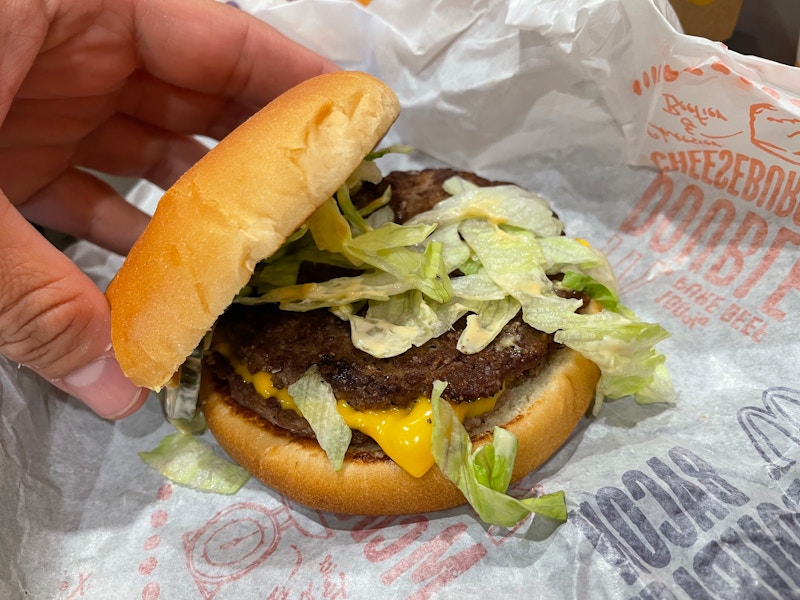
(677, 157)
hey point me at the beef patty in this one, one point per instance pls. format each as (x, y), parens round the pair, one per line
(285, 344)
(414, 192)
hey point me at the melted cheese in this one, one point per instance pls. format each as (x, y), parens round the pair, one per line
(262, 382)
(403, 433)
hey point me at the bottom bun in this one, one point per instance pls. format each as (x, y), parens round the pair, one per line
(542, 412)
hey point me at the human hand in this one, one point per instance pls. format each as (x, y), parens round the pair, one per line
(117, 86)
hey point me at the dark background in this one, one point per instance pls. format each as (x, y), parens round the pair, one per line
(768, 28)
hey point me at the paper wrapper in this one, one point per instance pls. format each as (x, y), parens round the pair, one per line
(681, 160)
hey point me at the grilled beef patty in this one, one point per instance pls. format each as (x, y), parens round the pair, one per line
(285, 344)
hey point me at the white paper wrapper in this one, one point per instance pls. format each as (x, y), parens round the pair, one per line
(586, 103)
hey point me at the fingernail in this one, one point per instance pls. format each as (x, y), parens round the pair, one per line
(103, 387)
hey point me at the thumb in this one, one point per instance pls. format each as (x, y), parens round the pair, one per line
(54, 320)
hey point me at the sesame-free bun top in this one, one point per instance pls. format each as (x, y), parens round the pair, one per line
(236, 206)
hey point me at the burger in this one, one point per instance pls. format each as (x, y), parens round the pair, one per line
(370, 344)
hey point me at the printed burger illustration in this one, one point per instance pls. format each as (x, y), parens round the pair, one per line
(375, 345)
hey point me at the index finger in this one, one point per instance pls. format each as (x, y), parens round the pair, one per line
(217, 49)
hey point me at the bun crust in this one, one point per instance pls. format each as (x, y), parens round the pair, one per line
(542, 412)
(236, 206)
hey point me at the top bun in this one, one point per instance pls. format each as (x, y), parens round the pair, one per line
(236, 206)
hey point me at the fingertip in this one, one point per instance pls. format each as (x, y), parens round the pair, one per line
(137, 403)
(103, 387)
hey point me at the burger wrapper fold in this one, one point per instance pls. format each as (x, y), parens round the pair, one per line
(676, 156)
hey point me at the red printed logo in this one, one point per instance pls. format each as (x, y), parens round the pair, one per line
(775, 131)
(239, 539)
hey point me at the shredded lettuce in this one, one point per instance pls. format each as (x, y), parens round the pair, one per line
(393, 149)
(477, 285)
(334, 292)
(350, 212)
(506, 204)
(485, 323)
(485, 252)
(423, 270)
(483, 475)
(605, 296)
(623, 349)
(619, 343)
(513, 260)
(392, 327)
(315, 400)
(563, 254)
(188, 461)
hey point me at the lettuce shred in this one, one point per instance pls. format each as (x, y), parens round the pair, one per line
(188, 461)
(483, 475)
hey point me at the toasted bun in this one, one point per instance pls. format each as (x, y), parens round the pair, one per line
(235, 207)
(542, 412)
